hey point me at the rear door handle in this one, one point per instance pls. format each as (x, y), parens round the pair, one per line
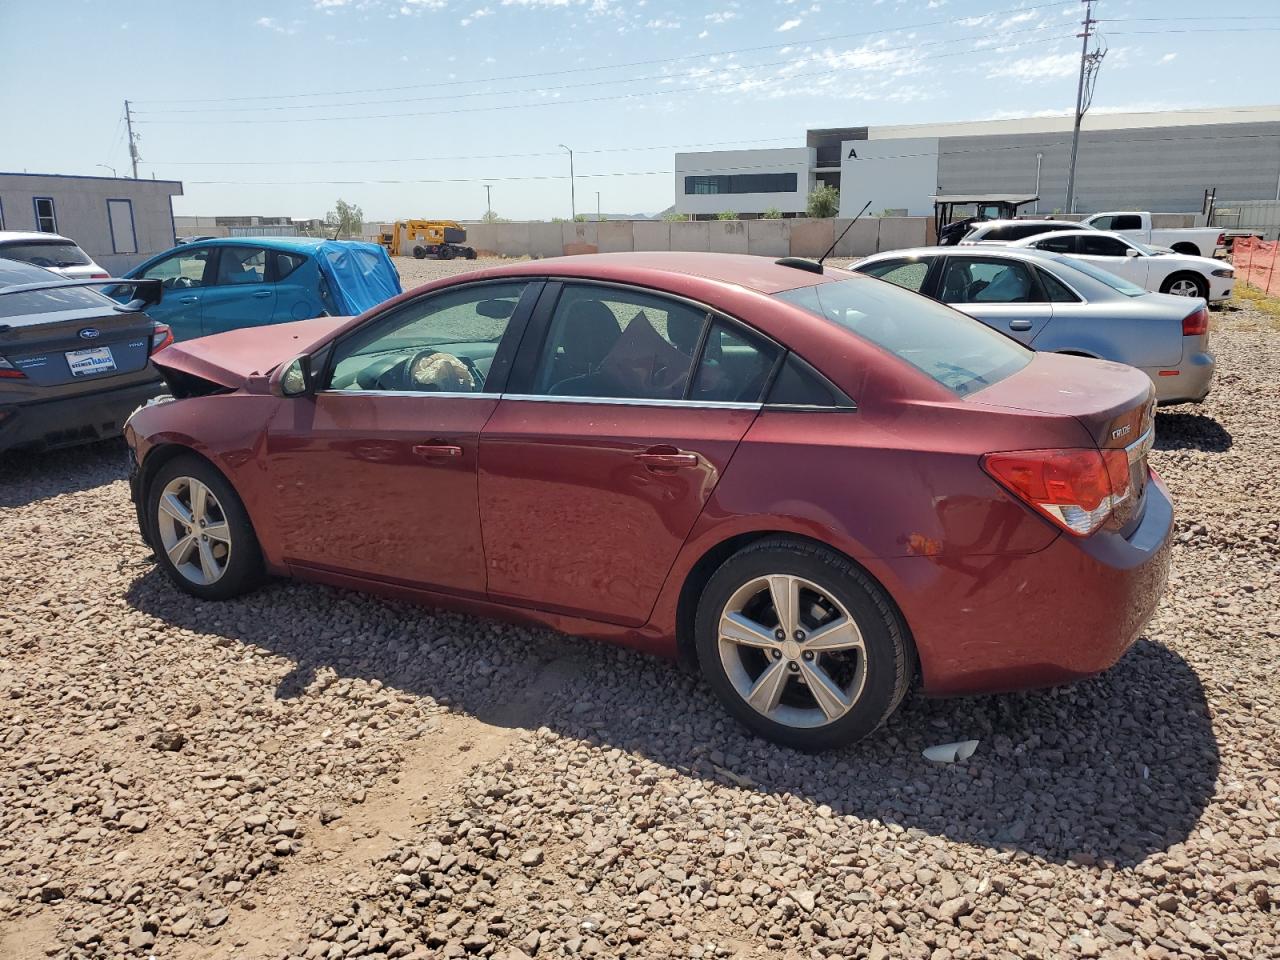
(437, 450)
(262, 294)
(1019, 324)
(667, 457)
(188, 299)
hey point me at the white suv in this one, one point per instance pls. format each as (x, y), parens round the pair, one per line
(1006, 231)
(52, 252)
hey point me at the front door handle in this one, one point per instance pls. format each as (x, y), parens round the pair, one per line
(262, 294)
(188, 299)
(1019, 324)
(668, 457)
(437, 450)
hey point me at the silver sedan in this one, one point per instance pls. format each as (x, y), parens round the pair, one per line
(1063, 305)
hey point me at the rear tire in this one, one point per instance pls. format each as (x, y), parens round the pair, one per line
(445, 253)
(826, 671)
(419, 253)
(471, 254)
(201, 532)
(1186, 285)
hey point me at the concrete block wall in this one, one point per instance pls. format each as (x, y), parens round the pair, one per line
(799, 237)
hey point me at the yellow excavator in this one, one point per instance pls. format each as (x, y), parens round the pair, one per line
(441, 239)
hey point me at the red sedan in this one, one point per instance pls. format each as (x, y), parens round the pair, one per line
(816, 485)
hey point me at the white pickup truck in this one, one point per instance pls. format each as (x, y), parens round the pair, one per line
(1196, 241)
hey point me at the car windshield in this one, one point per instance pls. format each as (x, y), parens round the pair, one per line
(1102, 276)
(955, 350)
(46, 253)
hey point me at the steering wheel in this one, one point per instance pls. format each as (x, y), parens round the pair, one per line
(412, 373)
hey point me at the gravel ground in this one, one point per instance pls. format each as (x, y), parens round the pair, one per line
(313, 773)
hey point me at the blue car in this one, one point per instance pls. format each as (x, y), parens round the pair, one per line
(232, 282)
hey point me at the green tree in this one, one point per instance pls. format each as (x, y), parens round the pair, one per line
(580, 218)
(824, 201)
(673, 217)
(727, 215)
(345, 220)
(773, 213)
(491, 217)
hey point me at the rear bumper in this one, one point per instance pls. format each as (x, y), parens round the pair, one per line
(69, 421)
(1192, 382)
(999, 623)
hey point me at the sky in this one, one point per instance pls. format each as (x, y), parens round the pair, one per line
(408, 107)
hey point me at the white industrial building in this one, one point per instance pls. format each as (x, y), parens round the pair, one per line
(117, 221)
(1161, 161)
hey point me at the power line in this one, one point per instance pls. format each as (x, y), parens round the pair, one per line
(794, 42)
(723, 86)
(474, 156)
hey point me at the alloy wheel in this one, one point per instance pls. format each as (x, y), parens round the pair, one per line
(792, 651)
(1184, 288)
(193, 530)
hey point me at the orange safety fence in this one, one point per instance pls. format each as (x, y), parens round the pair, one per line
(1257, 263)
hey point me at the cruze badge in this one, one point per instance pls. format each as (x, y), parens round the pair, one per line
(1122, 432)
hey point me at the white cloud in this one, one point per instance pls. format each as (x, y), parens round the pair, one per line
(1024, 17)
(475, 15)
(1051, 66)
(789, 25)
(271, 23)
(720, 16)
(1168, 58)
(661, 23)
(704, 34)
(935, 4)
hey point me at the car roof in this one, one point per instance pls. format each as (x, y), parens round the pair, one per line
(297, 244)
(1083, 231)
(21, 236)
(761, 274)
(1024, 221)
(994, 250)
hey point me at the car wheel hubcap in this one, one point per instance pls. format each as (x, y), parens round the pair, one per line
(194, 530)
(1184, 288)
(792, 651)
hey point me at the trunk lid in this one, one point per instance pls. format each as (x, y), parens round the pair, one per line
(1114, 403)
(82, 346)
(229, 359)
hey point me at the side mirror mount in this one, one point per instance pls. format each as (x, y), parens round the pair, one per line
(292, 378)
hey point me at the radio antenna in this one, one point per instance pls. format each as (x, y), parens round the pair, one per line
(842, 233)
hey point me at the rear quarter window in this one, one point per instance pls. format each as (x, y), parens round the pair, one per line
(951, 348)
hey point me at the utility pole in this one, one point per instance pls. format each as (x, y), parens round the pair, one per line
(133, 139)
(488, 202)
(573, 201)
(1089, 64)
(598, 217)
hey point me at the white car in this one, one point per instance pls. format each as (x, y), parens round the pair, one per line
(1177, 273)
(1008, 231)
(58, 254)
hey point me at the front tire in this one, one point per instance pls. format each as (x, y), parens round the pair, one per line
(201, 532)
(445, 253)
(801, 646)
(1186, 285)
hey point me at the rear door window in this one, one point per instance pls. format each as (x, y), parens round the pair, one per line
(734, 366)
(286, 263)
(988, 280)
(908, 274)
(1057, 244)
(1102, 246)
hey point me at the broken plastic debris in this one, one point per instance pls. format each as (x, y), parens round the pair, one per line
(951, 752)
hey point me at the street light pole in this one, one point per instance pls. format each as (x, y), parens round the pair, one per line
(1039, 160)
(598, 217)
(106, 166)
(488, 202)
(573, 201)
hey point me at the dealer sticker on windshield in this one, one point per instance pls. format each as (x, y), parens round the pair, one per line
(84, 363)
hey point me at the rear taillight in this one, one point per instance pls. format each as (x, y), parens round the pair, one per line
(99, 276)
(1196, 324)
(1222, 240)
(1075, 489)
(9, 371)
(161, 337)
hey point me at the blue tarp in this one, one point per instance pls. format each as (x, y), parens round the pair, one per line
(359, 275)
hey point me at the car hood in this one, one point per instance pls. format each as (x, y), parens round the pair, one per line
(229, 359)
